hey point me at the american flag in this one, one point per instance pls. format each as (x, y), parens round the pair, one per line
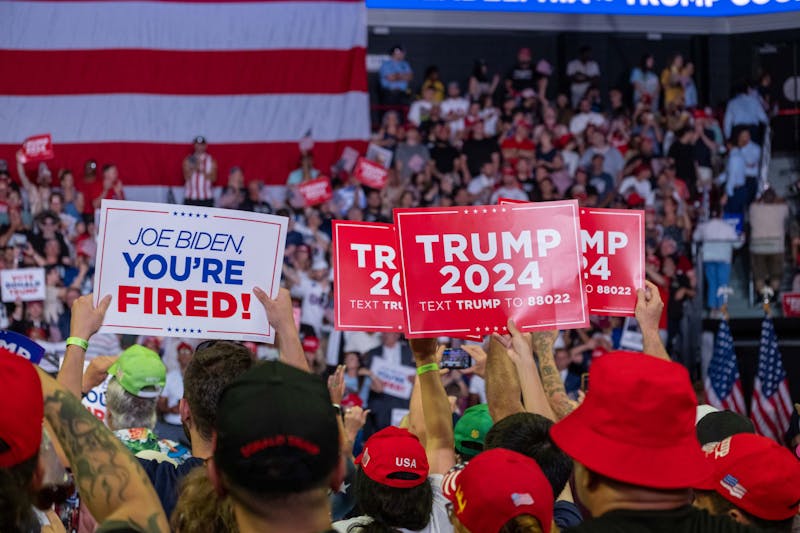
(723, 384)
(133, 82)
(772, 405)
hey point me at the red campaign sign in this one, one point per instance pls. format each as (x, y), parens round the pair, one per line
(791, 304)
(612, 242)
(366, 277)
(316, 191)
(370, 173)
(37, 148)
(465, 271)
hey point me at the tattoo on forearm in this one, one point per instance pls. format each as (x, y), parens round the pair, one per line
(99, 462)
(150, 527)
(551, 380)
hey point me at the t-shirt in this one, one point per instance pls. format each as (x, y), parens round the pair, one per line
(685, 519)
(173, 392)
(439, 522)
(166, 477)
(590, 69)
(478, 152)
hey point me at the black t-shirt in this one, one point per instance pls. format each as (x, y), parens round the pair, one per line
(701, 152)
(479, 152)
(522, 77)
(684, 519)
(443, 154)
(683, 154)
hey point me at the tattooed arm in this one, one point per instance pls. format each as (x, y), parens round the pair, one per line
(111, 483)
(551, 378)
(520, 350)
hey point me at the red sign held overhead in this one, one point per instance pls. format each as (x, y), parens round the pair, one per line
(366, 277)
(791, 304)
(467, 270)
(612, 242)
(370, 173)
(316, 191)
(37, 148)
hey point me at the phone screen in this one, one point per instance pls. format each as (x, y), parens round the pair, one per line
(456, 358)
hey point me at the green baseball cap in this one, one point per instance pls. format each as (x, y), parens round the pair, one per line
(470, 431)
(140, 372)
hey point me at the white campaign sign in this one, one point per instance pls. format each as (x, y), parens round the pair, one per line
(25, 284)
(395, 378)
(181, 271)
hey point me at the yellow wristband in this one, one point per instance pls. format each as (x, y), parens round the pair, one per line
(77, 341)
(430, 367)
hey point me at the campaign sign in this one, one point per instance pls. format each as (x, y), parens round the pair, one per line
(181, 271)
(366, 277)
(21, 345)
(316, 191)
(37, 148)
(398, 380)
(25, 284)
(467, 270)
(612, 242)
(791, 304)
(370, 173)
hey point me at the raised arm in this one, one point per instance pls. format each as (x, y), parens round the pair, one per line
(543, 342)
(86, 320)
(648, 313)
(521, 353)
(112, 484)
(439, 442)
(502, 384)
(281, 317)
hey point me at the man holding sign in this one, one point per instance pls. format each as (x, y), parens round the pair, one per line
(466, 270)
(188, 272)
(393, 364)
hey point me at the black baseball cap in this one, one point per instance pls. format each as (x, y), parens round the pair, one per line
(277, 430)
(719, 425)
(199, 140)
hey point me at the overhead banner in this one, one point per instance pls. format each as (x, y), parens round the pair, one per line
(612, 242)
(23, 284)
(467, 270)
(682, 8)
(181, 271)
(366, 277)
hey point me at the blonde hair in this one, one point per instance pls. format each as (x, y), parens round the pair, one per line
(200, 509)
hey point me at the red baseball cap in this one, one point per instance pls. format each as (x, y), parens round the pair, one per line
(393, 451)
(310, 344)
(497, 486)
(22, 412)
(636, 424)
(755, 474)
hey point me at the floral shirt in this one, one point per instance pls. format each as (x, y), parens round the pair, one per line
(141, 439)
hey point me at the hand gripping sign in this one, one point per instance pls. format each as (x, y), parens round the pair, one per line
(612, 243)
(37, 148)
(366, 277)
(467, 270)
(180, 271)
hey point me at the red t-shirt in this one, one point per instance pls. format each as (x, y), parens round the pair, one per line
(90, 191)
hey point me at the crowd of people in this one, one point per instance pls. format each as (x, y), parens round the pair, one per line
(490, 448)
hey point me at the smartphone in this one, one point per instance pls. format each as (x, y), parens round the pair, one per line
(585, 382)
(456, 359)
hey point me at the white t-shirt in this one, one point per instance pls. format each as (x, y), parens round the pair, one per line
(631, 184)
(477, 385)
(417, 109)
(173, 392)
(478, 184)
(589, 69)
(439, 522)
(460, 106)
(315, 298)
(580, 121)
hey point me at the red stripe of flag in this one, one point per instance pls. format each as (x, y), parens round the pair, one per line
(270, 162)
(182, 73)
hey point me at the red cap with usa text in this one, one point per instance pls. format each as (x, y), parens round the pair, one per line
(394, 457)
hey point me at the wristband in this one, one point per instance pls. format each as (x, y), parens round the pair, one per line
(77, 341)
(430, 367)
